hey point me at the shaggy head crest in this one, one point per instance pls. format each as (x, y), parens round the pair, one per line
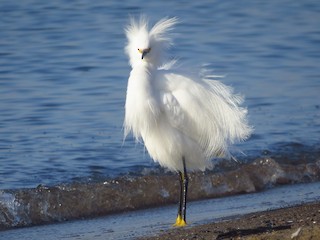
(148, 46)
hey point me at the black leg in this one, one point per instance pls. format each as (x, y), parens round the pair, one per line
(183, 179)
(180, 194)
(185, 182)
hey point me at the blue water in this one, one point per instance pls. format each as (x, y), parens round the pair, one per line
(63, 76)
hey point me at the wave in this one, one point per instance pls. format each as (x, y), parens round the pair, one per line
(43, 205)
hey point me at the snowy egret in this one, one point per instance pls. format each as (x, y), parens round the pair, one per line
(183, 120)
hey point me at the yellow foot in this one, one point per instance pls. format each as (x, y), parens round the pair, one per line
(180, 222)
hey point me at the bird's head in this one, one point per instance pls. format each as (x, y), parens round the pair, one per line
(148, 46)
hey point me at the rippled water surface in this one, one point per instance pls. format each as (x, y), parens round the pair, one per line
(63, 76)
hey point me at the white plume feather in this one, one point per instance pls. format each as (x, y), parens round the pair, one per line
(139, 36)
(175, 114)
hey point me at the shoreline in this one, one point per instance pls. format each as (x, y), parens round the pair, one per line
(51, 204)
(295, 222)
(206, 218)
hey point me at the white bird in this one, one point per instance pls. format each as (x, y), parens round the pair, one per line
(184, 121)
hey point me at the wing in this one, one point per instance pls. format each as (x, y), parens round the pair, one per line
(173, 110)
(204, 110)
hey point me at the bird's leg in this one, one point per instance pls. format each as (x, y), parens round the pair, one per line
(185, 182)
(183, 178)
(179, 217)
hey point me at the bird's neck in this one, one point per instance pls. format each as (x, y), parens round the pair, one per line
(140, 77)
(141, 104)
(144, 65)
(142, 73)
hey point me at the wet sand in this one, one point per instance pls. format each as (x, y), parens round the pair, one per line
(297, 222)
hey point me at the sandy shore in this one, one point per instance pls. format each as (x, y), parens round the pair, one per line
(298, 222)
